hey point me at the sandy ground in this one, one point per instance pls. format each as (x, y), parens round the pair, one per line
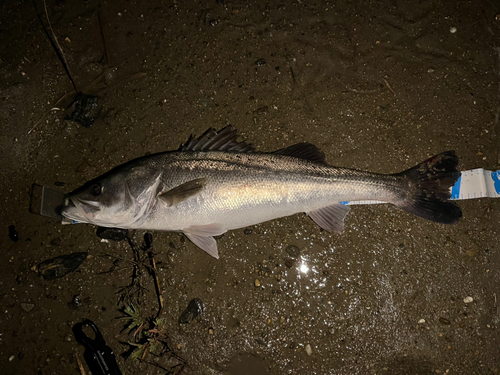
(377, 85)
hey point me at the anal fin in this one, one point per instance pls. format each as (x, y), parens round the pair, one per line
(330, 217)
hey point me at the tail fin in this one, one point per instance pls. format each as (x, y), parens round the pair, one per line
(430, 189)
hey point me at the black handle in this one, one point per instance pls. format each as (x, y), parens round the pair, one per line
(99, 357)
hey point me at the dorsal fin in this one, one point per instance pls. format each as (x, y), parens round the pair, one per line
(304, 150)
(224, 140)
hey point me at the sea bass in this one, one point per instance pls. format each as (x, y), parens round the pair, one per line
(214, 183)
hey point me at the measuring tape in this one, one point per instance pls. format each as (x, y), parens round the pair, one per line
(475, 183)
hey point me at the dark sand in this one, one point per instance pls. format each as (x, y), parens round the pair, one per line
(377, 85)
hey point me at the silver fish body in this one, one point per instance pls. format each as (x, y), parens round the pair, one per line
(204, 192)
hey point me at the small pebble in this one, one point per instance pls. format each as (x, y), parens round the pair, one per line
(444, 321)
(27, 306)
(210, 331)
(421, 321)
(257, 282)
(82, 168)
(13, 235)
(76, 302)
(282, 320)
(260, 62)
(468, 299)
(453, 30)
(194, 309)
(56, 241)
(262, 110)
(293, 251)
(309, 350)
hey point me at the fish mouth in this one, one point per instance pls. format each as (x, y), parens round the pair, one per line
(80, 210)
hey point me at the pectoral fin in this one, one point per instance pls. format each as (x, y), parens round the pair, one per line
(331, 217)
(182, 192)
(201, 236)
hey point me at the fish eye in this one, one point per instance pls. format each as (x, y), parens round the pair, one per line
(96, 190)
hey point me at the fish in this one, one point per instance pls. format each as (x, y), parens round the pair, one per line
(215, 183)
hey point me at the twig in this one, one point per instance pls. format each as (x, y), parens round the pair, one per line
(118, 258)
(389, 86)
(138, 329)
(133, 344)
(62, 58)
(93, 83)
(65, 62)
(146, 350)
(148, 244)
(124, 80)
(106, 51)
(102, 75)
(55, 45)
(64, 97)
(80, 365)
(168, 371)
(135, 288)
(159, 293)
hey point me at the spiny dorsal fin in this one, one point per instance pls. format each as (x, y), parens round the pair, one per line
(224, 140)
(304, 150)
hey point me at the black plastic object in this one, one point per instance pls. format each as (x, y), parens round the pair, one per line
(194, 309)
(46, 202)
(99, 357)
(60, 266)
(85, 109)
(13, 235)
(113, 234)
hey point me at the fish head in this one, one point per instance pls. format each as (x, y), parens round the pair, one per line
(114, 200)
